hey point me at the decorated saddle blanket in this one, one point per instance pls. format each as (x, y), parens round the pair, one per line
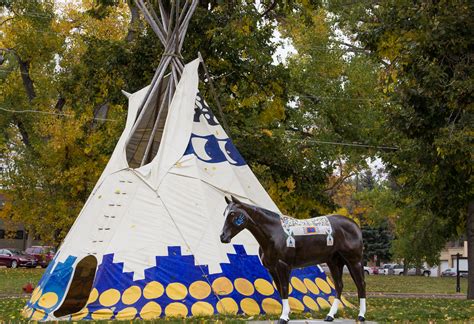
(312, 226)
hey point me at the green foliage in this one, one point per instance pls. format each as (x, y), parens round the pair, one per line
(377, 242)
(424, 49)
(429, 78)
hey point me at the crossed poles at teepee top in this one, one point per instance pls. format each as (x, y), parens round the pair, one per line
(171, 29)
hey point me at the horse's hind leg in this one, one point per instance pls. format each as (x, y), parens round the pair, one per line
(282, 272)
(336, 265)
(357, 273)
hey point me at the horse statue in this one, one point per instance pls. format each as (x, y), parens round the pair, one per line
(287, 243)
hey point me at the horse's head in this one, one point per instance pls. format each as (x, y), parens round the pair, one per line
(236, 219)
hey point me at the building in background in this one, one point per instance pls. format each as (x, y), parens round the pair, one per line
(13, 235)
(448, 255)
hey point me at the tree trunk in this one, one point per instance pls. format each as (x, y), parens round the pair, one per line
(31, 237)
(134, 24)
(470, 249)
(418, 271)
(27, 81)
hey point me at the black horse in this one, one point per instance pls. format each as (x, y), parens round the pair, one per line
(282, 249)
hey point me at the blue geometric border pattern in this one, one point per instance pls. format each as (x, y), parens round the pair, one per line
(176, 287)
(214, 149)
(51, 289)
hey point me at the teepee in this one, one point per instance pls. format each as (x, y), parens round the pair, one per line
(146, 243)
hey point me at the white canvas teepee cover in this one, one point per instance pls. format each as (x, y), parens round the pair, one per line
(154, 231)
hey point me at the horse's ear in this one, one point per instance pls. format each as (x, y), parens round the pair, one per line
(227, 200)
(235, 200)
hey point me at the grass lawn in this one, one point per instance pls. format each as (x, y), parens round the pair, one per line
(408, 284)
(383, 310)
(12, 280)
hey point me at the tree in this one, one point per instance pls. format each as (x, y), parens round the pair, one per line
(51, 141)
(426, 49)
(377, 243)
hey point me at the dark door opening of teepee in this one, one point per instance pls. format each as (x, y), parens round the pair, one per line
(80, 287)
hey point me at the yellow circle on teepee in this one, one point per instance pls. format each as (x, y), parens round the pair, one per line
(128, 313)
(26, 312)
(102, 314)
(311, 286)
(295, 305)
(227, 306)
(48, 300)
(38, 315)
(93, 296)
(346, 302)
(222, 286)
(244, 287)
(131, 295)
(35, 295)
(153, 290)
(199, 289)
(202, 308)
(176, 310)
(298, 285)
(323, 303)
(176, 291)
(323, 285)
(80, 315)
(109, 297)
(271, 306)
(331, 283)
(264, 287)
(150, 311)
(310, 303)
(250, 306)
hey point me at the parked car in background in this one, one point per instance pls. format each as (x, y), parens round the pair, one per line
(371, 270)
(451, 272)
(385, 268)
(42, 254)
(398, 270)
(423, 272)
(14, 258)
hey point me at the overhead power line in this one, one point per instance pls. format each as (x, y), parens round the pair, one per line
(50, 113)
(338, 98)
(301, 140)
(380, 147)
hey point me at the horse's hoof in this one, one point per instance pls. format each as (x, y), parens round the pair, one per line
(282, 321)
(361, 319)
(329, 319)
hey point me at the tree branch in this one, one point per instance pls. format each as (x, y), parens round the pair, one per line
(8, 19)
(270, 8)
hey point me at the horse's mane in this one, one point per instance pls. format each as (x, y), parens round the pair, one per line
(262, 210)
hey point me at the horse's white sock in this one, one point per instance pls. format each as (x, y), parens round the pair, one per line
(334, 307)
(285, 311)
(362, 307)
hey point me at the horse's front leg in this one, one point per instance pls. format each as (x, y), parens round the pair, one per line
(283, 274)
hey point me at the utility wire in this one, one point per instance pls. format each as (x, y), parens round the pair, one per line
(382, 147)
(338, 98)
(51, 113)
